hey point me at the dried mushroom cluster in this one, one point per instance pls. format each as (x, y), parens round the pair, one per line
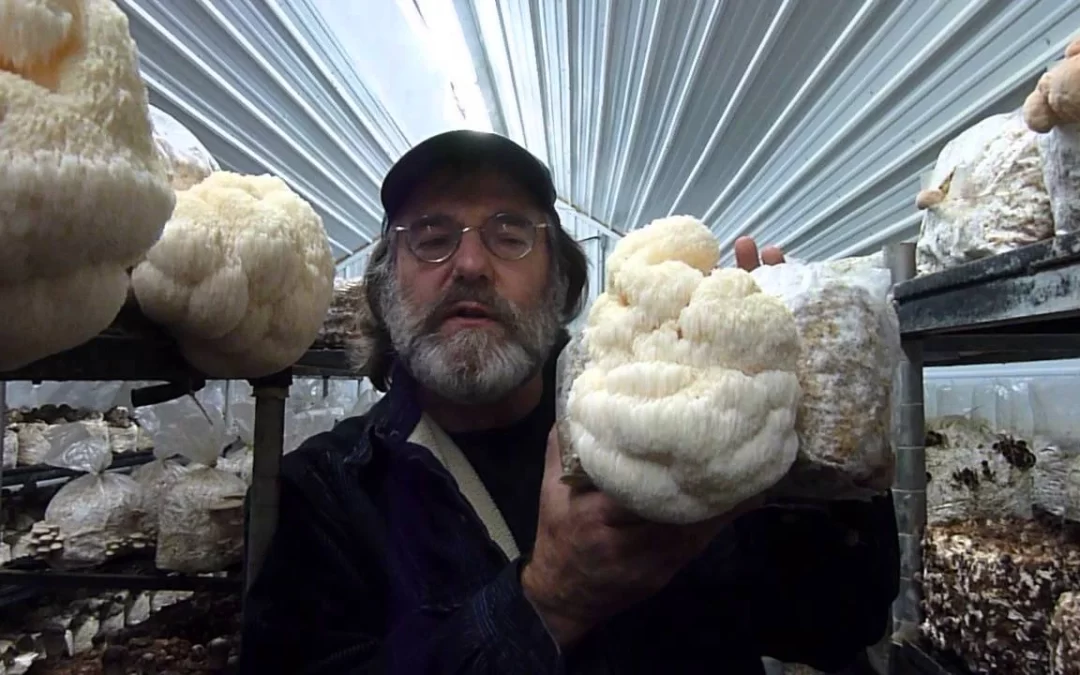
(991, 588)
(349, 323)
(1065, 635)
(44, 540)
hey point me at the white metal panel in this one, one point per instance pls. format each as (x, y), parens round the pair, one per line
(267, 87)
(805, 123)
(353, 267)
(595, 242)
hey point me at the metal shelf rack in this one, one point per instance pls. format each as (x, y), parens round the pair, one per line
(1023, 305)
(134, 349)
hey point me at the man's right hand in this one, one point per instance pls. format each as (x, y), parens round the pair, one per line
(593, 559)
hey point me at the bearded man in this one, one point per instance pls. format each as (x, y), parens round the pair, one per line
(433, 535)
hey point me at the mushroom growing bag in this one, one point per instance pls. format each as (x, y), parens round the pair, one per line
(678, 399)
(984, 196)
(239, 456)
(1060, 151)
(200, 522)
(96, 513)
(156, 478)
(849, 352)
(974, 473)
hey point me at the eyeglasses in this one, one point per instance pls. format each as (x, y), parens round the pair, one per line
(436, 238)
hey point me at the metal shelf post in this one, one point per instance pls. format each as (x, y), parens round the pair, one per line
(909, 486)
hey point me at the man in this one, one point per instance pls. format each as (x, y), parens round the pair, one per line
(433, 535)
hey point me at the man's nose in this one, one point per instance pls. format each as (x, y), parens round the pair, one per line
(472, 260)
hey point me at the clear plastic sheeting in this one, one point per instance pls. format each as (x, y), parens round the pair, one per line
(96, 514)
(316, 405)
(95, 396)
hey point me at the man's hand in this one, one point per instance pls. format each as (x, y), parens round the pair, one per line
(746, 254)
(593, 559)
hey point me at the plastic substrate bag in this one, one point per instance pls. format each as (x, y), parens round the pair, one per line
(849, 353)
(200, 523)
(96, 512)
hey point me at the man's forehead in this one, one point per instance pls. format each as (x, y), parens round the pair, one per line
(450, 190)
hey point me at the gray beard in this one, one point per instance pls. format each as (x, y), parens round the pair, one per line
(474, 366)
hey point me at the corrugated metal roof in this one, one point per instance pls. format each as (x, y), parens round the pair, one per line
(803, 122)
(806, 123)
(267, 88)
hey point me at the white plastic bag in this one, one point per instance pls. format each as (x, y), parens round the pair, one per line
(573, 360)
(131, 438)
(186, 159)
(239, 461)
(1072, 490)
(155, 478)
(239, 458)
(11, 448)
(365, 400)
(974, 473)
(1060, 150)
(32, 444)
(200, 523)
(312, 412)
(849, 353)
(97, 513)
(988, 195)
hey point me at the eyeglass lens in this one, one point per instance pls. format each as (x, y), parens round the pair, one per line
(436, 238)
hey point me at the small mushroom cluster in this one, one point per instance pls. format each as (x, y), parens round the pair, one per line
(132, 543)
(45, 540)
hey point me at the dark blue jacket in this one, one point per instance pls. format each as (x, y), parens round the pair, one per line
(379, 565)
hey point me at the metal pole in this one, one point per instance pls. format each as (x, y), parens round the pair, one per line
(3, 429)
(263, 500)
(909, 486)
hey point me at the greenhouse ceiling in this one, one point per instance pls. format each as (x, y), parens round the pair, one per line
(806, 123)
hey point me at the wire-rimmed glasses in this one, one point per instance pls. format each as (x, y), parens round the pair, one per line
(435, 238)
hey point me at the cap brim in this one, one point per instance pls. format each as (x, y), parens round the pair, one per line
(459, 150)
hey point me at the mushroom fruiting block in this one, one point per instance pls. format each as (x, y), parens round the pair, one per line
(990, 590)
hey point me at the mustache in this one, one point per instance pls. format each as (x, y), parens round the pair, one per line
(498, 308)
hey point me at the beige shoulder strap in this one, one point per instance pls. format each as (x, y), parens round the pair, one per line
(432, 437)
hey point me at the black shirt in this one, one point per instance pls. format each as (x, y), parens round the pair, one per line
(375, 567)
(510, 463)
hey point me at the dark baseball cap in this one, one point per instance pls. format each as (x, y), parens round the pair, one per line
(460, 150)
